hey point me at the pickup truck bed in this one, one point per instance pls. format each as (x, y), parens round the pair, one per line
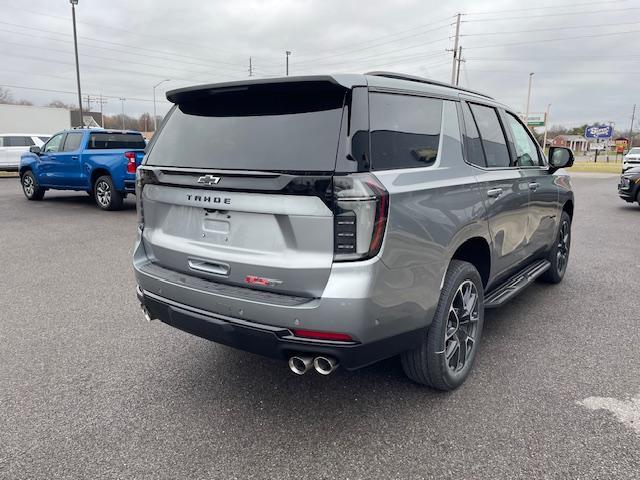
(100, 162)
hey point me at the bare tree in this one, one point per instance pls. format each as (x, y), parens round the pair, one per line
(5, 96)
(61, 104)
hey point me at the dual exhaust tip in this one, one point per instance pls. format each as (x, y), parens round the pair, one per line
(302, 364)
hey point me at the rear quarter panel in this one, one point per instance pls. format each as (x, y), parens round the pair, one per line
(432, 211)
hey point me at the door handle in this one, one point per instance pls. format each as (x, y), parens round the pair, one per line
(534, 186)
(74, 157)
(209, 267)
(494, 192)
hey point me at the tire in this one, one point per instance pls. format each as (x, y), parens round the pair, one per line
(30, 186)
(559, 253)
(439, 362)
(105, 194)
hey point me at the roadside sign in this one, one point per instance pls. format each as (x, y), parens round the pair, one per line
(619, 148)
(536, 119)
(596, 146)
(598, 131)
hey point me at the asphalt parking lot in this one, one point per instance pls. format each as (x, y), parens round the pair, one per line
(88, 389)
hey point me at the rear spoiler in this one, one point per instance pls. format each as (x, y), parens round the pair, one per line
(311, 83)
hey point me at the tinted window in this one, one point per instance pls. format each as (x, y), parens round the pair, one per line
(292, 129)
(18, 141)
(72, 142)
(106, 141)
(405, 130)
(472, 141)
(492, 136)
(526, 151)
(53, 145)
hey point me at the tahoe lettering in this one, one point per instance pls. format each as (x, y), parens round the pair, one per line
(208, 199)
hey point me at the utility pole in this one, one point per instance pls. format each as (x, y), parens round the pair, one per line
(88, 103)
(460, 60)
(122, 99)
(250, 68)
(455, 49)
(101, 101)
(526, 113)
(633, 117)
(546, 127)
(75, 44)
(288, 53)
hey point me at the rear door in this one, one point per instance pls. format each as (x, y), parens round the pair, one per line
(14, 147)
(238, 187)
(502, 184)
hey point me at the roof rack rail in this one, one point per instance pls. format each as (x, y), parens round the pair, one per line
(412, 78)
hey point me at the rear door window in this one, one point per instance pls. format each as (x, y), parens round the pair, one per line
(405, 130)
(283, 130)
(72, 142)
(18, 141)
(108, 141)
(492, 136)
(472, 141)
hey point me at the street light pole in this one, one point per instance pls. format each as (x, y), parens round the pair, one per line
(155, 122)
(526, 113)
(288, 53)
(546, 127)
(75, 44)
(122, 99)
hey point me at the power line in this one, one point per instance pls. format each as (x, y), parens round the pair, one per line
(552, 15)
(20, 87)
(555, 29)
(542, 7)
(347, 52)
(128, 52)
(554, 39)
(108, 27)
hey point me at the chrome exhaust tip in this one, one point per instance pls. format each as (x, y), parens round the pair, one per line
(325, 365)
(147, 317)
(300, 365)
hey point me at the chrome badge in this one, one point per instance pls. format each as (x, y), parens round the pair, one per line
(209, 180)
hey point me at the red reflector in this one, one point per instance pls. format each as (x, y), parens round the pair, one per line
(131, 165)
(253, 280)
(341, 337)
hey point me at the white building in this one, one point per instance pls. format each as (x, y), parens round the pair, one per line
(30, 119)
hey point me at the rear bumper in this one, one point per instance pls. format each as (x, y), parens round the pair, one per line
(271, 341)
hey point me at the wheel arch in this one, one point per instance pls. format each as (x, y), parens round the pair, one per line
(568, 207)
(477, 252)
(96, 173)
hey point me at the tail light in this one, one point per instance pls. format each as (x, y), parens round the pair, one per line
(131, 164)
(317, 335)
(143, 177)
(361, 206)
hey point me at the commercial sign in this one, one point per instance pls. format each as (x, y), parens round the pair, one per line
(536, 119)
(596, 146)
(598, 131)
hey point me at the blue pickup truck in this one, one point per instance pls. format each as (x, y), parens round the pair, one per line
(100, 162)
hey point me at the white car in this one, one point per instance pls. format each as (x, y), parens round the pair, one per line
(12, 145)
(631, 159)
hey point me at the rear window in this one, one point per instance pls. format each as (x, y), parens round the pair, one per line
(106, 141)
(405, 130)
(275, 131)
(18, 141)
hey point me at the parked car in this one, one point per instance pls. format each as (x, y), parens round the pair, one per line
(629, 185)
(631, 159)
(100, 162)
(341, 220)
(13, 145)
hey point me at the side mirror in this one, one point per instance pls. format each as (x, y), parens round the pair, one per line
(35, 149)
(560, 157)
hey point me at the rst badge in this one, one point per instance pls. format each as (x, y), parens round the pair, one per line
(209, 180)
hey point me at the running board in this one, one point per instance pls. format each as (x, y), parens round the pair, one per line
(515, 284)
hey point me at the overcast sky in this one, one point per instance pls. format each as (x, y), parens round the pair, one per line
(584, 53)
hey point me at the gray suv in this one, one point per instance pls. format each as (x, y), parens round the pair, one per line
(341, 220)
